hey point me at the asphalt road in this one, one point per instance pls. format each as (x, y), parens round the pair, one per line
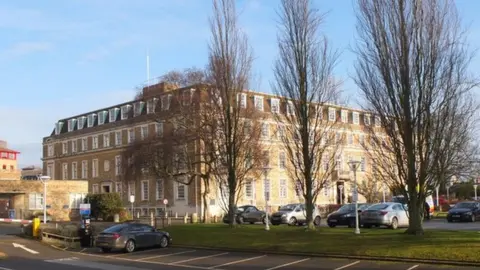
(29, 254)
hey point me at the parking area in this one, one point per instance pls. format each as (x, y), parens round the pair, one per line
(208, 259)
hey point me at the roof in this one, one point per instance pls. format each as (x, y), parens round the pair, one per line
(3, 149)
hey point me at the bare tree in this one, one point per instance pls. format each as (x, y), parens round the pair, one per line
(228, 72)
(371, 188)
(184, 78)
(412, 69)
(303, 76)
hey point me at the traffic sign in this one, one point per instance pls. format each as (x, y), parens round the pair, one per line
(165, 201)
(85, 209)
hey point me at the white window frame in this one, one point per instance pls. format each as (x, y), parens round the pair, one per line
(35, 201)
(84, 144)
(159, 189)
(75, 199)
(165, 101)
(81, 122)
(363, 164)
(356, 118)
(124, 110)
(50, 150)
(367, 121)
(131, 189)
(84, 169)
(344, 116)
(71, 124)
(265, 130)
(118, 187)
(319, 112)
(58, 127)
(177, 193)
(350, 138)
(95, 189)
(118, 137)
(275, 105)
(159, 129)
(283, 189)
(106, 140)
(267, 186)
(130, 135)
(290, 109)
(94, 168)
(145, 193)
(112, 115)
(74, 145)
(74, 170)
(249, 189)
(51, 170)
(64, 171)
(64, 148)
(151, 105)
(91, 119)
(102, 117)
(106, 165)
(118, 165)
(377, 121)
(143, 132)
(258, 102)
(95, 142)
(243, 100)
(280, 154)
(332, 114)
(138, 108)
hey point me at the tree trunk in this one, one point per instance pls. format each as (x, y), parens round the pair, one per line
(415, 209)
(206, 218)
(231, 208)
(309, 212)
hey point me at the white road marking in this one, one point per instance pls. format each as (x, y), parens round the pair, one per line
(239, 261)
(165, 255)
(25, 248)
(136, 252)
(3, 268)
(288, 264)
(413, 267)
(200, 258)
(62, 259)
(348, 265)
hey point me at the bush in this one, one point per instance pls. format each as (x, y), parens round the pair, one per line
(68, 231)
(124, 215)
(104, 205)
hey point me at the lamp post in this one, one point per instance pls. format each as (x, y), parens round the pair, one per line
(354, 166)
(475, 189)
(437, 191)
(340, 188)
(383, 191)
(266, 170)
(132, 200)
(44, 180)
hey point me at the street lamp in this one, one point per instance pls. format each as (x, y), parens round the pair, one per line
(44, 179)
(354, 166)
(132, 200)
(475, 189)
(266, 170)
(340, 188)
(383, 191)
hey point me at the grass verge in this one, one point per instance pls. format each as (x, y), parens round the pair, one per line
(434, 245)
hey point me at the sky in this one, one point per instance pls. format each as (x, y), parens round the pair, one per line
(62, 58)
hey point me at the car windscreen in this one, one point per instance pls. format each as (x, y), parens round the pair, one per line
(363, 206)
(464, 205)
(380, 206)
(116, 228)
(347, 207)
(288, 207)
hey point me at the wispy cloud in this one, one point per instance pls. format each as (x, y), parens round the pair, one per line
(26, 48)
(104, 51)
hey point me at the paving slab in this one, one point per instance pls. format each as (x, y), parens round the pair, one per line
(224, 260)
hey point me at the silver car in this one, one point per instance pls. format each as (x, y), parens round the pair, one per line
(293, 214)
(130, 236)
(390, 214)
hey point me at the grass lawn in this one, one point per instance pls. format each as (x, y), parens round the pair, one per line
(435, 244)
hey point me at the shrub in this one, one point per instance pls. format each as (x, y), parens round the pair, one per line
(124, 215)
(104, 205)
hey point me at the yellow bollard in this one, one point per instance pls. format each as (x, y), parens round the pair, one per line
(36, 227)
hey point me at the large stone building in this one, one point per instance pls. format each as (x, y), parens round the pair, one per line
(8, 163)
(90, 146)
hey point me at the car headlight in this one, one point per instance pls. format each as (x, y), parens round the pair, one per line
(284, 215)
(348, 215)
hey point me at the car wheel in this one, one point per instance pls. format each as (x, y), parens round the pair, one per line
(317, 221)
(130, 246)
(473, 218)
(163, 242)
(394, 224)
(332, 225)
(106, 250)
(292, 221)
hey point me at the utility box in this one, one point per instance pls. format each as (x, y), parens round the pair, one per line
(36, 227)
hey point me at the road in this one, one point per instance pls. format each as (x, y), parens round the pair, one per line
(29, 254)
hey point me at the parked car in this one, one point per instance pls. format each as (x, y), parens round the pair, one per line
(429, 205)
(345, 215)
(293, 214)
(390, 214)
(249, 214)
(130, 236)
(464, 211)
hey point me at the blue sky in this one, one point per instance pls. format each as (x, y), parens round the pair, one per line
(61, 58)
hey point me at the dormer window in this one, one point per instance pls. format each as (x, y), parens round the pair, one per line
(58, 128)
(151, 105)
(356, 118)
(112, 115)
(102, 117)
(290, 108)
(124, 111)
(258, 102)
(332, 114)
(275, 105)
(91, 119)
(138, 108)
(81, 122)
(366, 119)
(344, 115)
(71, 124)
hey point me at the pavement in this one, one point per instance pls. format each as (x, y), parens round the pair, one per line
(29, 254)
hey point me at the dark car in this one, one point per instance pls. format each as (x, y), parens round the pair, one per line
(345, 215)
(130, 236)
(247, 214)
(464, 211)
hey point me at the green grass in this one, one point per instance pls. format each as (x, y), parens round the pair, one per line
(435, 244)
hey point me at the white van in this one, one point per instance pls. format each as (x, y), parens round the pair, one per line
(429, 200)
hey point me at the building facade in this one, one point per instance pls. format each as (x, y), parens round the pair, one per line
(90, 147)
(8, 162)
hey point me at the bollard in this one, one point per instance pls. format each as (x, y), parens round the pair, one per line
(138, 214)
(185, 218)
(176, 215)
(194, 218)
(116, 218)
(36, 227)
(152, 220)
(169, 221)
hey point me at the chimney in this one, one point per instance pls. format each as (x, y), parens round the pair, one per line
(158, 89)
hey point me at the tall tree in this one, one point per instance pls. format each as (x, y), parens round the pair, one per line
(304, 77)
(412, 70)
(229, 70)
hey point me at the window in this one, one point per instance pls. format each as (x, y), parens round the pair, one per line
(124, 112)
(361, 139)
(290, 108)
(50, 150)
(35, 201)
(84, 144)
(165, 102)
(138, 108)
(84, 169)
(275, 105)
(366, 119)
(81, 122)
(377, 121)
(118, 187)
(106, 140)
(180, 192)
(319, 112)
(249, 189)
(151, 104)
(65, 171)
(76, 199)
(95, 189)
(332, 114)
(131, 135)
(265, 130)
(131, 189)
(95, 168)
(282, 160)
(94, 142)
(187, 98)
(298, 188)
(243, 100)
(143, 132)
(71, 124)
(159, 129)
(281, 132)
(118, 165)
(350, 138)
(106, 165)
(112, 115)
(258, 102)
(344, 115)
(118, 137)
(283, 189)
(102, 117)
(356, 118)
(64, 148)
(91, 120)
(50, 170)
(159, 190)
(266, 189)
(74, 146)
(58, 128)
(74, 170)
(145, 190)
(362, 164)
